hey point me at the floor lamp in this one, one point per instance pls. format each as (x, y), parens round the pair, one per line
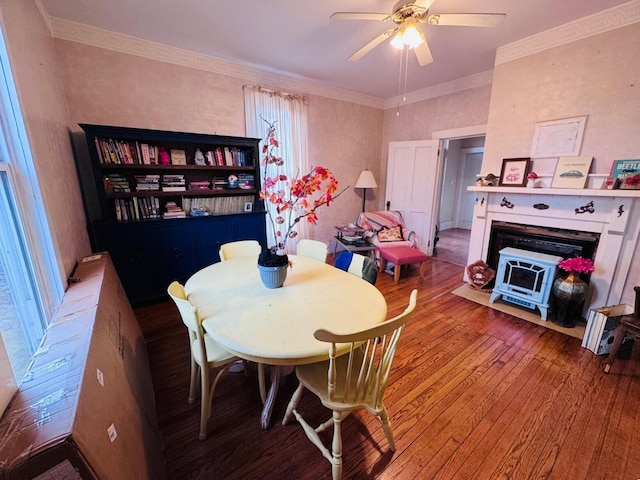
(365, 180)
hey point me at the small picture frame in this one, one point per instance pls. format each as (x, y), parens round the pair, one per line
(514, 172)
(248, 206)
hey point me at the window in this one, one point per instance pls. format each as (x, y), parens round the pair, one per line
(289, 112)
(30, 283)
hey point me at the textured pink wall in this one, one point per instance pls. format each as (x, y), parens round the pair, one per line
(597, 77)
(109, 88)
(418, 121)
(346, 138)
(42, 100)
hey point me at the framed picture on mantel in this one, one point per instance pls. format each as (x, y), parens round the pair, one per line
(571, 172)
(514, 172)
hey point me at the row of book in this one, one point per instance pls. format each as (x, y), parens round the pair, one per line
(123, 152)
(226, 156)
(217, 205)
(132, 209)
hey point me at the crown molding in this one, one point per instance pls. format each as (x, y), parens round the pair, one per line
(117, 42)
(454, 86)
(611, 19)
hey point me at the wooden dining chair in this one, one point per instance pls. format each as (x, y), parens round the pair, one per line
(628, 323)
(241, 248)
(354, 381)
(358, 265)
(313, 249)
(206, 355)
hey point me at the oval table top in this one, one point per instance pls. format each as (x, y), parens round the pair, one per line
(275, 326)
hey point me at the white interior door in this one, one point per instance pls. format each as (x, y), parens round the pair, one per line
(411, 186)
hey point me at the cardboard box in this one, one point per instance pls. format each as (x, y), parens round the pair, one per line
(600, 330)
(86, 408)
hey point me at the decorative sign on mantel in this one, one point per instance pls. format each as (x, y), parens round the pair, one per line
(558, 138)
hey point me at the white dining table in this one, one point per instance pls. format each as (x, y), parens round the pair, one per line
(275, 326)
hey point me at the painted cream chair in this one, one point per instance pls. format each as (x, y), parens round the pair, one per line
(312, 248)
(242, 248)
(206, 355)
(355, 381)
(246, 248)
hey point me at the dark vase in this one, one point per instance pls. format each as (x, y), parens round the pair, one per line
(273, 268)
(569, 294)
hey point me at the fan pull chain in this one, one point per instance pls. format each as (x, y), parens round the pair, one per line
(402, 86)
(405, 56)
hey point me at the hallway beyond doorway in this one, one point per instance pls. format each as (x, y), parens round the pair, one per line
(452, 246)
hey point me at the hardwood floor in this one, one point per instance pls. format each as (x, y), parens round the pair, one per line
(474, 394)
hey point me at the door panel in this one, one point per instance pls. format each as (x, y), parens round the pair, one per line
(411, 185)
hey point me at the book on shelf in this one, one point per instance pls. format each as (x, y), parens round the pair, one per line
(144, 151)
(219, 183)
(625, 174)
(209, 157)
(173, 183)
(219, 156)
(115, 183)
(147, 182)
(173, 211)
(246, 181)
(199, 185)
(178, 157)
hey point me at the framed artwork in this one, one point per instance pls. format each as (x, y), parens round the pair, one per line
(558, 138)
(514, 172)
(248, 206)
(571, 172)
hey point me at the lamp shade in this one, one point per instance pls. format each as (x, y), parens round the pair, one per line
(366, 180)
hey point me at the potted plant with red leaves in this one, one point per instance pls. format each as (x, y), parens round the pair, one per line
(292, 200)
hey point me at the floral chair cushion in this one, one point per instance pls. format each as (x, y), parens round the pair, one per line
(390, 234)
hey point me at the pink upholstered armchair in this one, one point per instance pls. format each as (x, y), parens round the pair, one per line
(386, 229)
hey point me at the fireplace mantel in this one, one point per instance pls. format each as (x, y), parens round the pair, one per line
(559, 191)
(614, 214)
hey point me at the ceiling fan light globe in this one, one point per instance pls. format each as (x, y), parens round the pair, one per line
(412, 37)
(398, 40)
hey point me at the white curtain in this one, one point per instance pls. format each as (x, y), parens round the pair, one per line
(289, 112)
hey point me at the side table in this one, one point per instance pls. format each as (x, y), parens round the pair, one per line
(351, 239)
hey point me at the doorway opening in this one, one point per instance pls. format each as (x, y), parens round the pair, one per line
(461, 161)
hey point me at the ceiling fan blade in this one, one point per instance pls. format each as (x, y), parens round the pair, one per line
(371, 45)
(423, 54)
(466, 19)
(423, 3)
(358, 16)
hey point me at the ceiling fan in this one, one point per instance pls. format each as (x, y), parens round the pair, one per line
(406, 16)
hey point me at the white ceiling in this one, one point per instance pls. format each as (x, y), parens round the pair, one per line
(296, 38)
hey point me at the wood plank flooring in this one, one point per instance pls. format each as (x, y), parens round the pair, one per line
(474, 394)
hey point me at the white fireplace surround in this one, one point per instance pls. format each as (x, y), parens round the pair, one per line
(614, 214)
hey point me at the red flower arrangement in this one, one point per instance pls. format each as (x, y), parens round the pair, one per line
(577, 264)
(294, 198)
